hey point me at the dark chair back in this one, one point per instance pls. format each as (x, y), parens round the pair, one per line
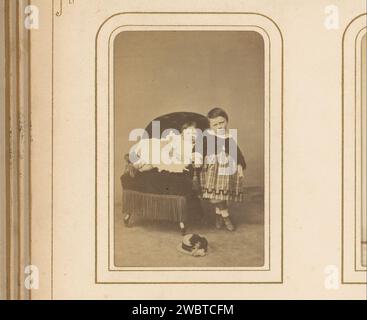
(176, 121)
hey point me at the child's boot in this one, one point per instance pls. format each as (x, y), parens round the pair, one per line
(219, 222)
(218, 219)
(229, 224)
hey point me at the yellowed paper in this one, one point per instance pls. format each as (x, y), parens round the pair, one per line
(291, 79)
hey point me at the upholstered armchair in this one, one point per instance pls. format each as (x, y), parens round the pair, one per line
(161, 195)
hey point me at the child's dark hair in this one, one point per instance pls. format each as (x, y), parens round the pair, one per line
(217, 112)
(188, 124)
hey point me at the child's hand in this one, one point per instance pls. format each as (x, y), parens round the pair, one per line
(197, 160)
(240, 170)
(146, 167)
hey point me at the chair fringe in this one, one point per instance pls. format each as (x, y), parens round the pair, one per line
(154, 206)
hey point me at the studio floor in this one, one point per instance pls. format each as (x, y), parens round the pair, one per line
(153, 243)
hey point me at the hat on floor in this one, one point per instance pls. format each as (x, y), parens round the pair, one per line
(194, 245)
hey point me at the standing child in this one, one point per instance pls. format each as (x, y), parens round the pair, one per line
(219, 182)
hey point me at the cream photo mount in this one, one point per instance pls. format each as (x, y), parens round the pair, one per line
(105, 270)
(353, 150)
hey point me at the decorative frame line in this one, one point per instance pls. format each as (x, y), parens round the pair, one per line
(281, 124)
(267, 239)
(281, 146)
(350, 275)
(358, 105)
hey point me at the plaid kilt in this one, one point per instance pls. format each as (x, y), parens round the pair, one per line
(221, 187)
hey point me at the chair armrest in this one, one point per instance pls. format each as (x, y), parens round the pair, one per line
(129, 167)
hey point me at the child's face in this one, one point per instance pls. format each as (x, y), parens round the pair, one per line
(218, 123)
(190, 134)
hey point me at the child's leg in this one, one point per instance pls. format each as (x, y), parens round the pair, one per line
(225, 215)
(218, 218)
(222, 215)
(222, 209)
(218, 213)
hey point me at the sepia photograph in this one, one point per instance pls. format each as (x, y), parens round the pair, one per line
(183, 150)
(189, 149)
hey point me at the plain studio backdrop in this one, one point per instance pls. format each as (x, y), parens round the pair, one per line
(159, 72)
